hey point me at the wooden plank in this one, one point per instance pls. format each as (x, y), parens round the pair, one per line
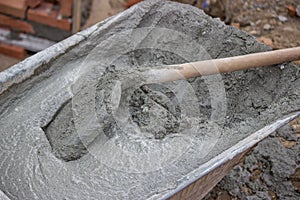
(12, 51)
(76, 16)
(45, 14)
(15, 24)
(15, 8)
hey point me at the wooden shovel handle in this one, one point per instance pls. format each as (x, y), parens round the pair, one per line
(222, 65)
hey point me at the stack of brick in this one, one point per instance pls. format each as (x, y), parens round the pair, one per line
(45, 19)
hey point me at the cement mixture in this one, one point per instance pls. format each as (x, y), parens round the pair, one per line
(86, 127)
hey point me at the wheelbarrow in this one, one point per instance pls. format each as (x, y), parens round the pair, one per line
(54, 142)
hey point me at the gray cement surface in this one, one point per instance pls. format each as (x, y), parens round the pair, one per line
(63, 137)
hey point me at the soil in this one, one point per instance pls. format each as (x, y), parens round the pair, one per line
(268, 172)
(255, 16)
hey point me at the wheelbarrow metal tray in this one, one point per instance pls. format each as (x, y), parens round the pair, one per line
(45, 98)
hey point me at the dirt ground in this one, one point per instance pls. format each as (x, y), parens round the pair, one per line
(264, 18)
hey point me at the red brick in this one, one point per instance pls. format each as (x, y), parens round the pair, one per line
(33, 3)
(12, 51)
(15, 8)
(53, 1)
(66, 7)
(15, 24)
(130, 3)
(45, 14)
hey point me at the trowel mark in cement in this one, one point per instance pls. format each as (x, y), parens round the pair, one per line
(155, 111)
(144, 105)
(62, 135)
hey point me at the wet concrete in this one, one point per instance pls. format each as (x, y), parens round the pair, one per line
(63, 134)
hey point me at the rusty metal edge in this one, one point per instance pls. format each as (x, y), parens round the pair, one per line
(230, 154)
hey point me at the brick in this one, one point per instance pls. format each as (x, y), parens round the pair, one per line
(33, 3)
(66, 7)
(130, 3)
(45, 14)
(15, 8)
(12, 51)
(15, 24)
(53, 1)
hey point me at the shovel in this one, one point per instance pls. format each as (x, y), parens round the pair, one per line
(110, 106)
(223, 65)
